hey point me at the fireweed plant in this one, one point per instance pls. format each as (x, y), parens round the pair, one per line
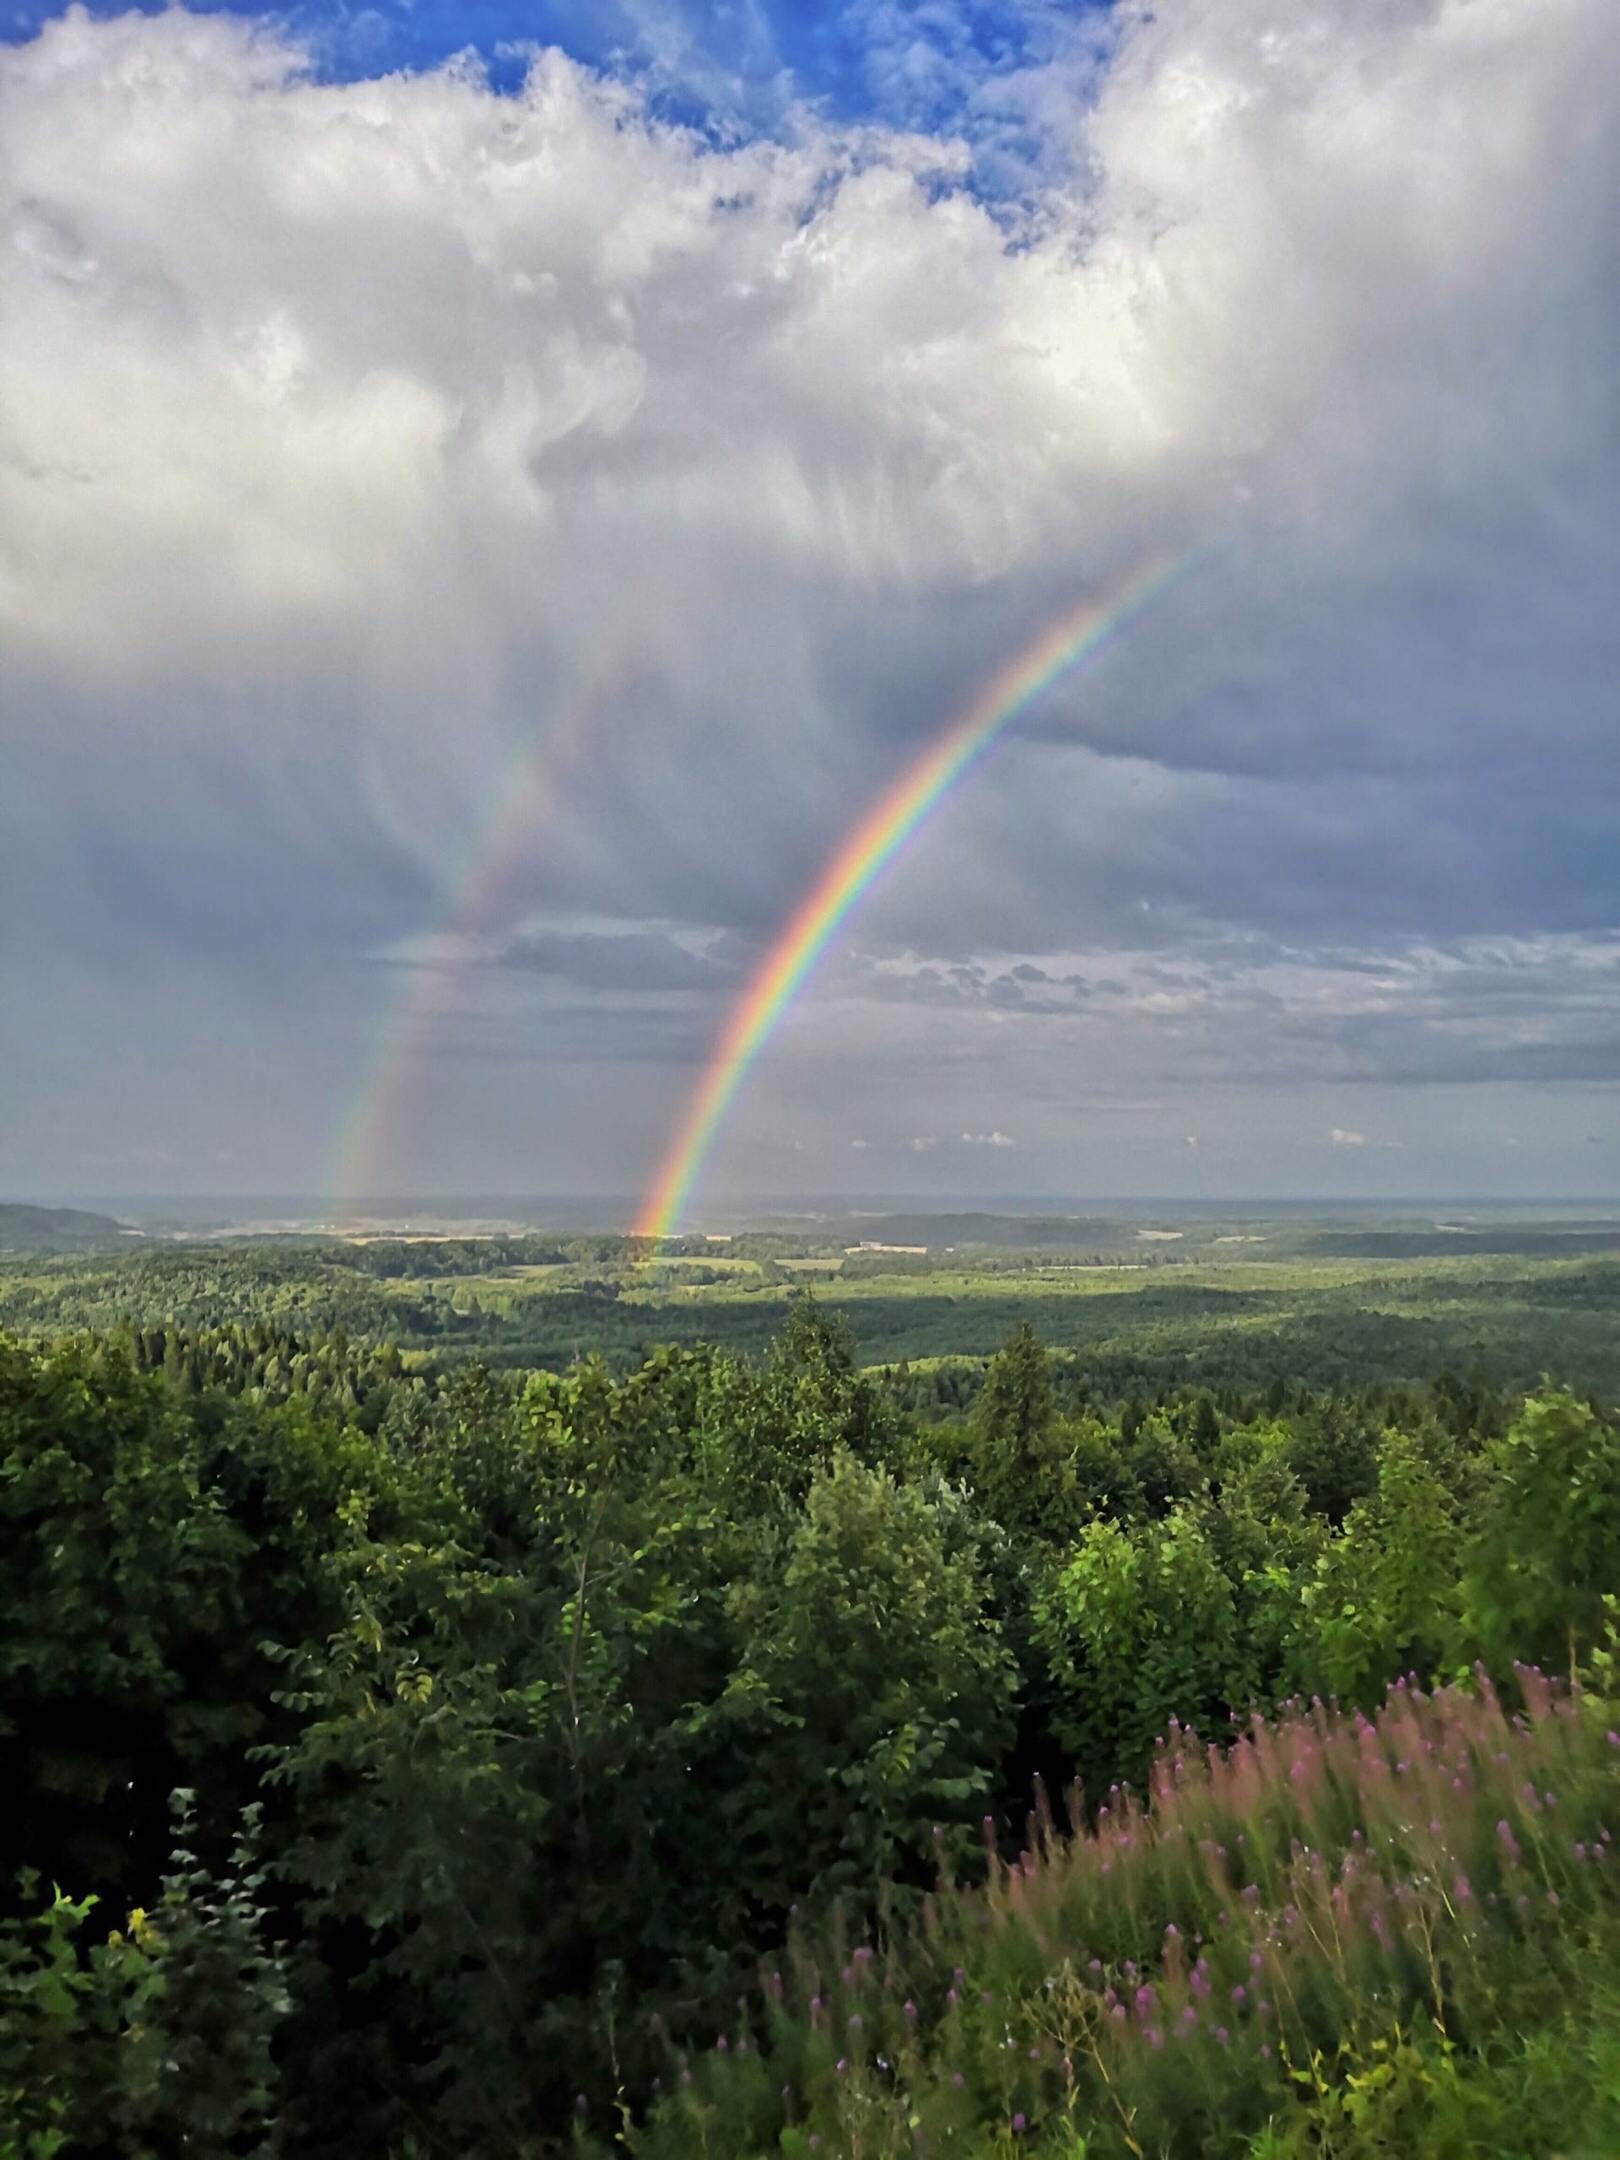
(1329, 1933)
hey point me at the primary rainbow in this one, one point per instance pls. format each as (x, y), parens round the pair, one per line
(859, 859)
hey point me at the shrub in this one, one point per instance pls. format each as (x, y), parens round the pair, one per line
(1329, 1927)
(156, 2038)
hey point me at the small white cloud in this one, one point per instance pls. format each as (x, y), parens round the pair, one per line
(988, 1139)
(1340, 1138)
(857, 1143)
(1192, 1139)
(923, 1142)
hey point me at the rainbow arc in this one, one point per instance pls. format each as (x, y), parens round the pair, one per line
(858, 860)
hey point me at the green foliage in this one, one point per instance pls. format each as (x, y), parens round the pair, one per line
(1307, 1311)
(155, 2040)
(1337, 1936)
(149, 1547)
(1548, 1546)
(569, 1695)
(873, 1695)
(675, 1657)
(1384, 1597)
(1014, 1442)
(1140, 1625)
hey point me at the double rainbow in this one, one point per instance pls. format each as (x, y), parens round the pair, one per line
(857, 862)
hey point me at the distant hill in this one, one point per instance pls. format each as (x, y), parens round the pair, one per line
(1039, 1233)
(1449, 1241)
(59, 1230)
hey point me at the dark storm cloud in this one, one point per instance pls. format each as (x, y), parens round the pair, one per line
(617, 960)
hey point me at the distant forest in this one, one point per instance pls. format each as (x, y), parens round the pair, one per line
(1120, 1317)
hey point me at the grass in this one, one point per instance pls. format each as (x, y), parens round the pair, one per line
(1332, 1934)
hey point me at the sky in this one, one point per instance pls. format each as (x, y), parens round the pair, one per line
(489, 498)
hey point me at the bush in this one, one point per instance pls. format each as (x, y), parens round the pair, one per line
(156, 2039)
(1327, 1934)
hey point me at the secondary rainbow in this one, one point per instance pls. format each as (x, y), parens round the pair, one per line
(521, 803)
(859, 859)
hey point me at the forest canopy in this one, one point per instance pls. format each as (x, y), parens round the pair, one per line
(427, 1757)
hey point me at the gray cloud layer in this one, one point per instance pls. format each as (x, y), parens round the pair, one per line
(360, 443)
